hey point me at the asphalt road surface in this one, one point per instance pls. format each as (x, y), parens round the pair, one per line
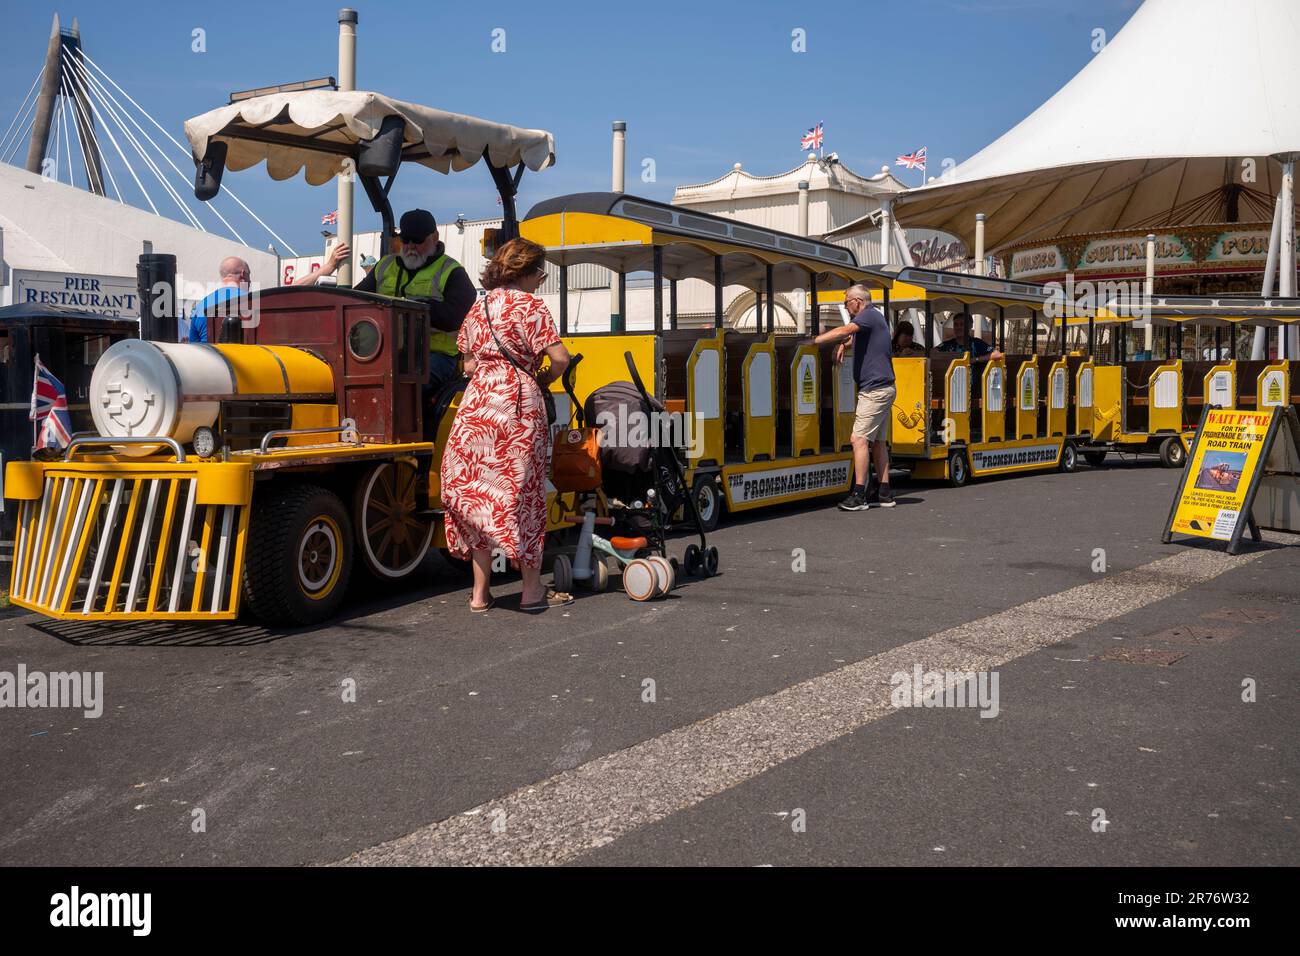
(1144, 714)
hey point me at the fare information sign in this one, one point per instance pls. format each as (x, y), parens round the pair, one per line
(1214, 498)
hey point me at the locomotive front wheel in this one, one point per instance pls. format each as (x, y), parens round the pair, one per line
(392, 538)
(299, 556)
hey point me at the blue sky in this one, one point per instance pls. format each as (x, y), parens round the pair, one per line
(701, 85)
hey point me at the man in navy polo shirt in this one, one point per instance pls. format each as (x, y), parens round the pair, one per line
(873, 370)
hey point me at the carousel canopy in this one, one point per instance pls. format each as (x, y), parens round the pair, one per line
(320, 129)
(1172, 123)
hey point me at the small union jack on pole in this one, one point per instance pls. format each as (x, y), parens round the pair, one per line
(330, 218)
(49, 410)
(914, 160)
(812, 139)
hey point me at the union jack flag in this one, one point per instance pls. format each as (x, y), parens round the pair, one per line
(49, 408)
(913, 160)
(812, 139)
(330, 218)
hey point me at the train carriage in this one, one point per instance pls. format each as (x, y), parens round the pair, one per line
(769, 415)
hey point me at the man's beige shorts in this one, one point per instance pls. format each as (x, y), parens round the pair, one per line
(871, 421)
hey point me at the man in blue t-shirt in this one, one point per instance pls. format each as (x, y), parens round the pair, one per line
(873, 371)
(235, 276)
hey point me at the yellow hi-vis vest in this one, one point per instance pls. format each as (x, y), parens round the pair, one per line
(392, 278)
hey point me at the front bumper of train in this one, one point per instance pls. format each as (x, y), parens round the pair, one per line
(129, 539)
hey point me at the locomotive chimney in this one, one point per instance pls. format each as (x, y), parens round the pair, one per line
(155, 276)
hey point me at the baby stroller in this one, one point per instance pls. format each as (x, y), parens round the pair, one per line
(646, 481)
(643, 485)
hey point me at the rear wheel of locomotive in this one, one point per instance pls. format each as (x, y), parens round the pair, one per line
(299, 555)
(392, 538)
(1095, 457)
(1172, 453)
(708, 501)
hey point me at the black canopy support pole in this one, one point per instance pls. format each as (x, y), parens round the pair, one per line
(929, 327)
(771, 301)
(1218, 343)
(1233, 345)
(564, 300)
(622, 302)
(1179, 340)
(658, 268)
(1033, 332)
(1002, 328)
(1092, 335)
(814, 314)
(672, 304)
(717, 292)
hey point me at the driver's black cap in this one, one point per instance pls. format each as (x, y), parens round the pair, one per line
(417, 225)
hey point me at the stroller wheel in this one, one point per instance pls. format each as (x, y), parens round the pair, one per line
(693, 560)
(664, 574)
(562, 573)
(710, 562)
(639, 579)
(599, 579)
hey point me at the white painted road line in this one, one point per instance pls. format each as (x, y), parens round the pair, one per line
(595, 803)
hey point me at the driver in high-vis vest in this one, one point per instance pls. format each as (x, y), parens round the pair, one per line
(423, 270)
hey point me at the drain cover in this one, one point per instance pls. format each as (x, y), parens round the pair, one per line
(1143, 655)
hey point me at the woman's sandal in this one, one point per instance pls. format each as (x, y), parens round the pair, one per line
(482, 608)
(552, 599)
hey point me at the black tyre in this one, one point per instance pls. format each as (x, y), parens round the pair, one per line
(1172, 453)
(1069, 458)
(710, 562)
(1095, 458)
(958, 469)
(708, 501)
(300, 548)
(692, 560)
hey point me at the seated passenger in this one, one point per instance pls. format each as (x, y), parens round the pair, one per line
(963, 341)
(904, 343)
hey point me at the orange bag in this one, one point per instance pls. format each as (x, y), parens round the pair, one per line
(575, 459)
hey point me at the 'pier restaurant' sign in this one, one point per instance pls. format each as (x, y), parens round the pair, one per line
(108, 295)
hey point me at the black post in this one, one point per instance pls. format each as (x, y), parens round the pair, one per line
(771, 301)
(717, 292)
(658, 268)
(672, 304)
(758, 311)
(564, 300)
(1218, 343)
(155, 277)
(1002, 328)
(929, 327)
(812, 304)
(622, 302)
(1233, 347)
(1169, 343)
(1179, 340)
(1092, 335)
(1033, 332)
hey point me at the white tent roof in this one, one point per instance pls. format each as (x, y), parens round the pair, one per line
(324, 120)
(53, 227)
(1152, 132)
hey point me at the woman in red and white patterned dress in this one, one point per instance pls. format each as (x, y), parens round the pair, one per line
(494, 465)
